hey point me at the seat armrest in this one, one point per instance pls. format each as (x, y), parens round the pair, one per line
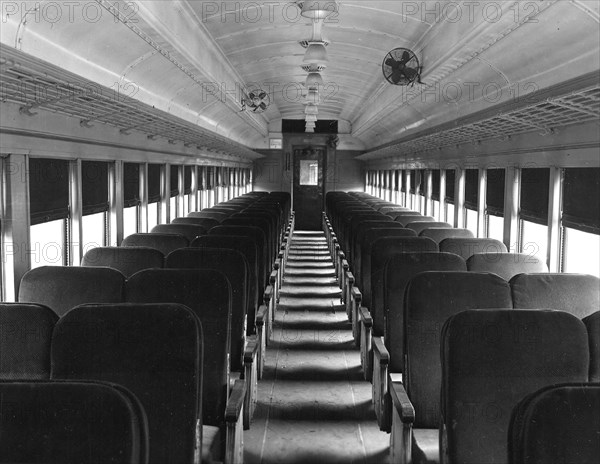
(235, 401)
(250, 350)
(261, 315)
(381, 351)
(273, 278)
(350, 278)
(401, 402)
(268, 293)
(365, 317)
(356, 294)
(276, 263)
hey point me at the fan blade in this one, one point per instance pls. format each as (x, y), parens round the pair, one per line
(405, 57)
(410, 73)
(263, 106)
(391, 62)
(262, 94)
(397, 76)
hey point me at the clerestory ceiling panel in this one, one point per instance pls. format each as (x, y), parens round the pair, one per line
(194, 59)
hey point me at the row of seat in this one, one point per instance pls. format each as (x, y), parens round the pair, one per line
(129, 330)
(413, 290)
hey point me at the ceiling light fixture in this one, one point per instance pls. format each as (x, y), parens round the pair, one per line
(317, 9)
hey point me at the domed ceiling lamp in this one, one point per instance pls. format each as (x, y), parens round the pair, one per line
(312, 97)
(317, 35)
(311, 108)
(317, 9)
(314, 80)
(315, 54)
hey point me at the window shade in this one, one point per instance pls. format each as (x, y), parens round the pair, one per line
(495, 191)
(94, 186)
(421, 182)
(471, 188)
(187, 180)
(174, 177)
(535, 183)
(48, 190)
(153, 183)
(210, 177)
(403, 177)
(450, 181)
(581, 199)
(131, 184)
(435, 188)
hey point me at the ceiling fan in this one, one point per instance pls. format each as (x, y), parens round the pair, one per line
(256, 101)
(401, 67)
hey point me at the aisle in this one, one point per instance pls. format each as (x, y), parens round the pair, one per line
(313, 406)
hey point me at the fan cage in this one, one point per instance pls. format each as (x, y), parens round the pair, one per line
(397, 54)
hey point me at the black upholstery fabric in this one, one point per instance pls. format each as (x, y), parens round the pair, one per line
(360, 231)
(165, 243)
(439, 234)
(382, 251)
(207, 213)
(207, 223)
(491, 359)
(407, 218)
(208, 295)
(559, 423)
(506, 265)
(260, 240)
(127, 260)
(71, 423)
(189, 231)
(467, 247)
(362, 261)
(592, 324)
(431, 298)
(246, 246)
(25, 336)
(234, 266)
(64, 287)
(419, 225)
(398, 272)
(578, 294)
(155, 351)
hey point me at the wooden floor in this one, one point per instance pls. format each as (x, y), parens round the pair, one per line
(313, 406)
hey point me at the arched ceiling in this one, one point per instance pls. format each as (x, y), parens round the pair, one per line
(191, 58)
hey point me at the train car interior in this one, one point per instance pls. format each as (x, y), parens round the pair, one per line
(300, 232)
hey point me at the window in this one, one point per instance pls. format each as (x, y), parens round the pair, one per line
(49, 209)
(471, 219)
(94, 231)
(153, 215)
(495, 203)
(450, 180)
(47, 247)
(153, 195)
(435, 205)
(450, 213)
(533, 212)
(309, 172)
(581, 252)
(130, 220)
(534, 239)
(581, 220)
(535, 185)
(48, 190)
(131, 198)
(94, 186)
(495, 227)
(174, 181)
